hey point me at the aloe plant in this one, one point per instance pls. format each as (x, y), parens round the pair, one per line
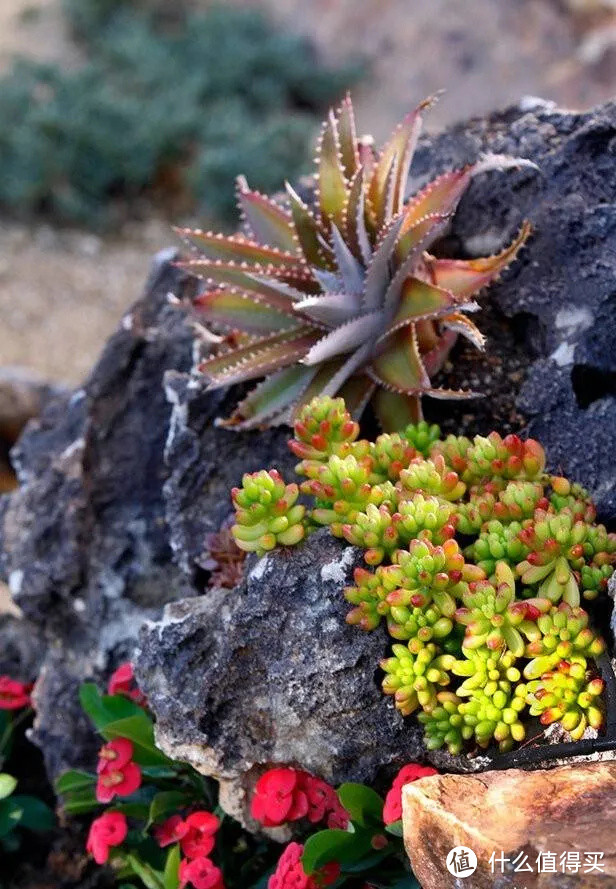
(343, 296)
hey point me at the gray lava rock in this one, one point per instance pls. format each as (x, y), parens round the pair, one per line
(270, 673)
(83, 541)
(206, 461)
(558, 298)
(21, 649)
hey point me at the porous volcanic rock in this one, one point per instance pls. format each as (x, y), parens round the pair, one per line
(557, 301)
(517, 816)
(270, 673)
(83, 541)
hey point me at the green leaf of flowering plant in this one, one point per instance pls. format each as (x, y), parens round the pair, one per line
(10, 816)
(342, 846)
(74, 780)
(151, 878)
(166, 803)
(104, 709)
(395, 828)
(132, 809)
(115, 716)
(171, 876)
(78, 802)
(140, 730)
(7, 785)
(158, 773)
(367, 862)
(35, 814)
(364, 805)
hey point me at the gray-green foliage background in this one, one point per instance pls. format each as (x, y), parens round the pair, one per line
(168, 107)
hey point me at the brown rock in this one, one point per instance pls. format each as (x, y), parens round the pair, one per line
(569, 810)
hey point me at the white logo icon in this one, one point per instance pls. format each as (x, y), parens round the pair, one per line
(461, 862)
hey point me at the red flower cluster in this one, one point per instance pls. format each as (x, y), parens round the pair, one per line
(118, 775)
(122, 682)
(195, 835)
(107, 831)
(283, 795)
(290, 873)
(14, 695)
(392, 810)
(196, 838)
(200, 873)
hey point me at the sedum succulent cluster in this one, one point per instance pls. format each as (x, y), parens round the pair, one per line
(477, 562)
(341, 294)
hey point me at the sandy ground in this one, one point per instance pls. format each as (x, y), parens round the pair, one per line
(62, 293)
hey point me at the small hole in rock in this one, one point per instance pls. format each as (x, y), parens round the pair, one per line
(529, 332)
(590, 384)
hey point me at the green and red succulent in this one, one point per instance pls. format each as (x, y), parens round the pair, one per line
(476, 561)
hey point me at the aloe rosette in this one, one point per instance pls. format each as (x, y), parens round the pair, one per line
(342, 296)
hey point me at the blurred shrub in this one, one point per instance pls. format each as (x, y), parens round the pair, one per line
(166, 107)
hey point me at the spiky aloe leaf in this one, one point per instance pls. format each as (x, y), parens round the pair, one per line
(215, 271)
(419, 300)
(420, 234)
(355, 220)
(239, 249)
(393, 408)
(465, 277)
(237, 310)
(388, 181)
(332, 181)
(399, 366)
(333, 309)
(378, 274)
(258, 358)
(272, 398)
(345, 338)
(264, 219)
(459, 323)
(309, 233)
(347, 137)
